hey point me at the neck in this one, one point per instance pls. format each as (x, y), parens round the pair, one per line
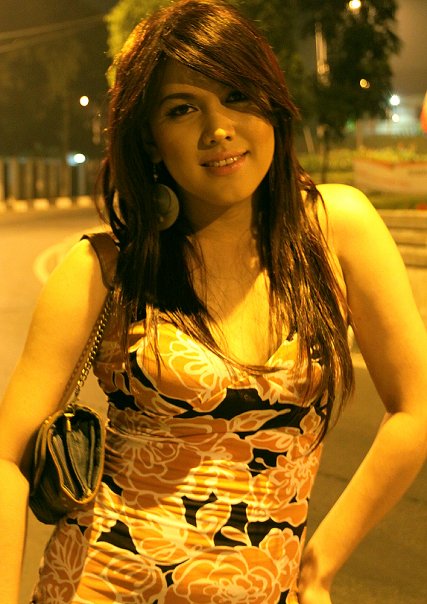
(229, 248)
(221, 224)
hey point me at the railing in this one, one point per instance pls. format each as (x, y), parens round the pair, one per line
(34, 178)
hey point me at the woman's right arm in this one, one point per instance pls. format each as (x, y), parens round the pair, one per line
(63, 319)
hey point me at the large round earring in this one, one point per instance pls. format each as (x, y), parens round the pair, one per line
(167, 204)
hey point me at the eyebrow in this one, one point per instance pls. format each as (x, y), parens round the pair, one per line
(188, 96)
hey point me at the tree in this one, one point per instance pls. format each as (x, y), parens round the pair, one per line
(360, 44)
(47, 61)
(124, 16)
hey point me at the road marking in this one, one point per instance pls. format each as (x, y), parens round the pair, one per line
(49, 258)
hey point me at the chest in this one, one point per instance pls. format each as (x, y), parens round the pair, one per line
(241, 309)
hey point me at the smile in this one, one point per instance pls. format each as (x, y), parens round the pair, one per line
(223, 162)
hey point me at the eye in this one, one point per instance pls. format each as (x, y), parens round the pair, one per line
(235, 96)
(180, 110)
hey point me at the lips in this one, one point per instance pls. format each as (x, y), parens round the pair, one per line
(222, 162)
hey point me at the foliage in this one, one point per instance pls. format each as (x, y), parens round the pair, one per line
(341, 160)
(124, 16)
(393, 155)
(44, 71)
(360, 45)
(36, 82)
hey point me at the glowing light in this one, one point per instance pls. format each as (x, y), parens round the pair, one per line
(84, 101)
(395, 100)
(355, 5)
(364, 84)
(395, 118)
(74, 159)
(79, 158)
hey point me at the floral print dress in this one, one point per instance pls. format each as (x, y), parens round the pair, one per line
(207, 479)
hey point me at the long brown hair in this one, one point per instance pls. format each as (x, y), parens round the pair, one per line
(214, 39)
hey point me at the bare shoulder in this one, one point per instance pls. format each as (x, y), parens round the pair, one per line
(346, 206)
(75, 281)
(351, 221)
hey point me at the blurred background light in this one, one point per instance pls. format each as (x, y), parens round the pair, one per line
(355, 5)
(74, 159)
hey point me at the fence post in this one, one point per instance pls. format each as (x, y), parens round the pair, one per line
(81, 179)
(28, 179)
(2, 181)
(12, 168)
(53, 179)
(40, 182)
(66, 180)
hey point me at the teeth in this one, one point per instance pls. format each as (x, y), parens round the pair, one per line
(223, 162)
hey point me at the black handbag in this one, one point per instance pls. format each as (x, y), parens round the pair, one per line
(68, 456)
(68, 462)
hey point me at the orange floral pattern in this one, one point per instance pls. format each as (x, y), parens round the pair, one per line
(207, 480)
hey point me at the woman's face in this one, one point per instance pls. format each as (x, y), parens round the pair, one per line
(213, 141)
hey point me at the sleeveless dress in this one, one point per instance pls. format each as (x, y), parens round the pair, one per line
(207, 480)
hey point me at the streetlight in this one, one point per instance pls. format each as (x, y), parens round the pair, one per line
(84, 101)
(354, 6)
(394, 100)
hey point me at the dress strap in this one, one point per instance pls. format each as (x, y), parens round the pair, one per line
(107, 251)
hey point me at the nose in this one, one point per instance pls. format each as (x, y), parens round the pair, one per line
(218, 128)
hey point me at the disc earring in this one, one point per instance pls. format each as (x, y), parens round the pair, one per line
(167, 203)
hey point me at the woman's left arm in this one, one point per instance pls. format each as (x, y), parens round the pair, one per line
(393, 341)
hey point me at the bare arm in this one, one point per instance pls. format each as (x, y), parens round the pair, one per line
(393, 341)
(65, 313)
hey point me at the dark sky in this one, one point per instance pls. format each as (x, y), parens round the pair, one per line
(410, 67)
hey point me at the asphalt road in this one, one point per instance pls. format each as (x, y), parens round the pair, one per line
(388, 568)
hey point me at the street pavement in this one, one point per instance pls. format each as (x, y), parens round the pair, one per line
(388, 568)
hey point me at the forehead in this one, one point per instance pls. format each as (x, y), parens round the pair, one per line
(175, 75)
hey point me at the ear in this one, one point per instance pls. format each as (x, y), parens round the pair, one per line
(150, 146)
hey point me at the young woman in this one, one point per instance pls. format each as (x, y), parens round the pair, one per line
(226, 355)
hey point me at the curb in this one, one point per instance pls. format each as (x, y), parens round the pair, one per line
(59, 203)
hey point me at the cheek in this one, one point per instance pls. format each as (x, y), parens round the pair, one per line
(264, 135)
(174, 147)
